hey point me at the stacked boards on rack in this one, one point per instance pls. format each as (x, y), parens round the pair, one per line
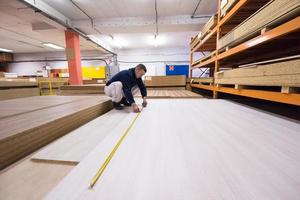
(258, 37)
(90, 89)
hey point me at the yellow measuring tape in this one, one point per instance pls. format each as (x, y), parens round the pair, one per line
(102, 168)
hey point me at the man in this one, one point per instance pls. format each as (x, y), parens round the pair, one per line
(122, 86)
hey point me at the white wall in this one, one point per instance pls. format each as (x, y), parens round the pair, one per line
(30, 68)
(155, 59)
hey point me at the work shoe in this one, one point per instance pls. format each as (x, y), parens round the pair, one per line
(124, 102)
(117, 106)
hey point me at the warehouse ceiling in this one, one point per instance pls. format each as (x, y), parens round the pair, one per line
(23, 31)
(114, 24)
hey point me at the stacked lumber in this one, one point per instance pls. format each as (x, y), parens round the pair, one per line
(93, 81)
(206, 80)
(17, 88)
(225, 159)
(210, 24)
(226, 5)
(54, 83)
(91, 89)
(163, 81)
(272, 14)
(279, 72)
(171, 93)
(25, 131)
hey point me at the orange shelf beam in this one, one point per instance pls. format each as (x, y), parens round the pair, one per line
(203, 64)
(232, 12)
(293, 99)
(281, 30)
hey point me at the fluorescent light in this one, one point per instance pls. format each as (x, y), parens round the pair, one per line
(5, 50)
(53, 46)
(156, 40)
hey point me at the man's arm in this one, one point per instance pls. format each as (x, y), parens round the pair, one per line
(142, 87)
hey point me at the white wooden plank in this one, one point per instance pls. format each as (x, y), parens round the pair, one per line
(74, 146)
(194, 149)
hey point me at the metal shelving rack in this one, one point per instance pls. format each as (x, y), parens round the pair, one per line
(279, 41)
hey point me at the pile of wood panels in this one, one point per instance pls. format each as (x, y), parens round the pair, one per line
(226, 5)
(210, 24)
(94, 81)
(279, 72)
(153, 93)
(165, 81)
(273, 13)
(54, 83)
(18, 87)
(91, 89)
(206, 80)
(29, 123)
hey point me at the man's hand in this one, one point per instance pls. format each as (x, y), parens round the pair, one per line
(144, 102)
(135, 108)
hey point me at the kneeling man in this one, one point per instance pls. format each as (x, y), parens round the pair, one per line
(124, 85)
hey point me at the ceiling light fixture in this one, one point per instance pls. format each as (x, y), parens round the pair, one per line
(5, 50)
(54, 46)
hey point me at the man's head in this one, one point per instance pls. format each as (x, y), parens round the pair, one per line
(140, 70)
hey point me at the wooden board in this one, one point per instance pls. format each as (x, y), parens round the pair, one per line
(74, 146)
(24, 133)
(202, 80)
(210, 24)
(162, 81)
(13, 93)
(275, 12)
(229, 151)
(13, 107)
(82, 89)
(163, 93)
(31, 180)
(282, 73)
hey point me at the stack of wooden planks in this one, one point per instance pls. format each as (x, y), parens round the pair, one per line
(283, 72)
(11, 88)
(164, 81)
(170, 93)
(54, 83)
(27, 124)
(274, 12)
(231, 156)
(91, 89)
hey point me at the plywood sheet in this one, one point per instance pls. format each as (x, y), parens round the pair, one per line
(28, 180)
(161, 81)
(228, 151)
(283, 73)
(164, 93)
(74, 146)
(12, 107)
(13, 93)
(82, 89)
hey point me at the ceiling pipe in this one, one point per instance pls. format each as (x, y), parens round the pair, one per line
(91, 19)
(193, 16)
(65, 24)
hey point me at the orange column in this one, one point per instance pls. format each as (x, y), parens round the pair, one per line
(73, 56)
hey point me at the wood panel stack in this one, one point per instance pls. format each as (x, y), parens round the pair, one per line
(94, 81)
(18, 87)
(24, 131)
(91, 89)
(54, 83)
(6, 57)
(268, 16)
(268, 73)
(165, 81)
